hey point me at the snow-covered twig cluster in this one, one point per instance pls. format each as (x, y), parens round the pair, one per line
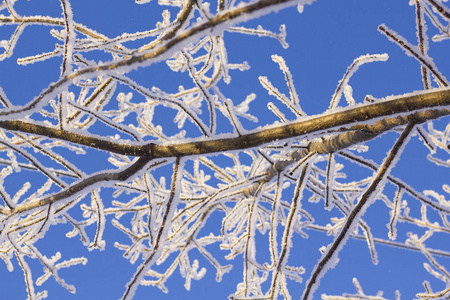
(253, 183)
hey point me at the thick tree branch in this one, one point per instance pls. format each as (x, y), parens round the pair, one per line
(404, 108)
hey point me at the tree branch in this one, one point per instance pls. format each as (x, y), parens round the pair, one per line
(329, 259)
(402, 108)
(162, 233)
(82, 185)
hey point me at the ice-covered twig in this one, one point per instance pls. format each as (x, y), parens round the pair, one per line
(413, 51)
(286, 243)
(349, 73)
(360, 295)
(423, 41)
(69, 41)
(210, 99)
(440, 8)
(382, 241)
(34, 162)
(373, 166)
(259, 31)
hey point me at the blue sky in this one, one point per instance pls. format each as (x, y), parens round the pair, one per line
(323, 42)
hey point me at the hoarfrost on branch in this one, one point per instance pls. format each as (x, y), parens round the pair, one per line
(165, 181)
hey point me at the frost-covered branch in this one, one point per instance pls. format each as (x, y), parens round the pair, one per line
(396, 112)
(329, 259)
(187, 163)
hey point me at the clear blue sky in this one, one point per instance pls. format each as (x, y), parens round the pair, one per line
(323, 42)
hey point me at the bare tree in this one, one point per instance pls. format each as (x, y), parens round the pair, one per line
(255, 181)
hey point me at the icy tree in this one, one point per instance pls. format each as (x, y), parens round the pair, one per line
(187, 179)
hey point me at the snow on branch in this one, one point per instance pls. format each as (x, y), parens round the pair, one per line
(177, 171)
